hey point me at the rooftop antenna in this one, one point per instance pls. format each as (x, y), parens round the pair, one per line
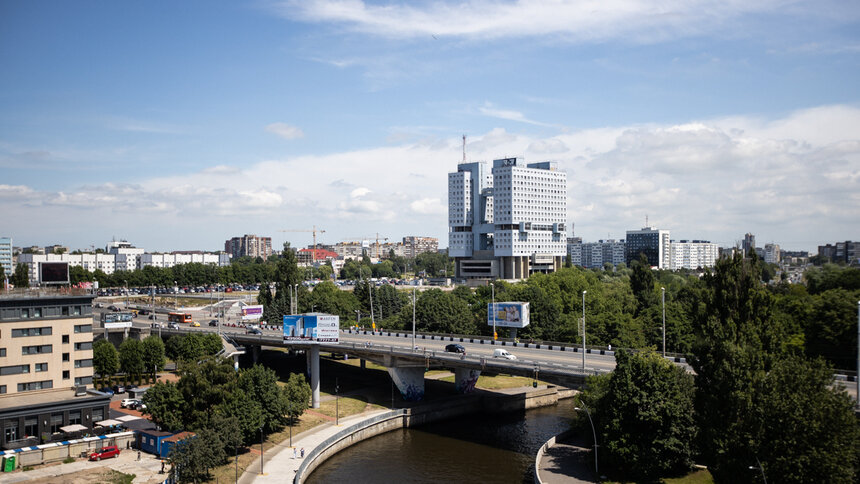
(646, 220)
(464, 148)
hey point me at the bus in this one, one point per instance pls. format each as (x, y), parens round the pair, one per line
(179, 318)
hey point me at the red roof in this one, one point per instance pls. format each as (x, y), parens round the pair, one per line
(179, 436)
(322, 254)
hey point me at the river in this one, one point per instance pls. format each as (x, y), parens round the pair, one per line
(475, 448)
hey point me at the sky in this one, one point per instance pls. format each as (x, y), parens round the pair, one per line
(178, 125)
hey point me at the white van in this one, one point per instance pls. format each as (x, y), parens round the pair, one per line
(500, 353)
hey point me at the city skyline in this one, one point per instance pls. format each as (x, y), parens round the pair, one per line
(176, 127)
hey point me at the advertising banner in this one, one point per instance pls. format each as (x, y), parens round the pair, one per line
(117, 325)
(508, 314)
(252, 313)
(311, 328)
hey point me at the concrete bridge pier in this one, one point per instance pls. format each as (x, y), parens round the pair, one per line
(410, 381)
(313, 357)
(465, 379)
(255, 354)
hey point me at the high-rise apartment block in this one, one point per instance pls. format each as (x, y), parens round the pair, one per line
(508, 221)
(694, 254)
(412, 245)
(594, 254)
(845, 252)
(652, 242)
(6, 256)
(249, 245)
(748, 244)
(127, 255)
(772, 253)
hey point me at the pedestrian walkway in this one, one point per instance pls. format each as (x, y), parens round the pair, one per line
(279, 465)
(567, 462)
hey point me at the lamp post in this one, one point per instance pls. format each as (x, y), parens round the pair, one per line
(493, 289)
(336, 403)
(593, 432)
(663, 289)
(759, 468)
(261, 446)
(175, 295)
(857, 378)
(583, 331)
(413, 318)
(290, 406)
(296, 287)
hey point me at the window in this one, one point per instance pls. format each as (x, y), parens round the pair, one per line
(76, 310)
(36, 350)
(35, 385)
(41, 367)
(31, 426)
(14, 370)
(74, 417)
(83, 328)
(11, 431)
(56, 422)
(65, 357)
(98, 414)
(66, 374)
(2, 389)
(84, 380)
(18, 333)
(84, 363)
(2, 352)
(25, 314)
(65, 339)
(65, 310)
(87, 345)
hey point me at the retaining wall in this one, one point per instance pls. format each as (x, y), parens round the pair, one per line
(57, 451)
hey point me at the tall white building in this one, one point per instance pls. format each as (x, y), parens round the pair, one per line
(509, 221)
(90, 262)
(694, 254)
(174, 259)
(772, 253)
(652, 242)
(127, 255)
(6, 256)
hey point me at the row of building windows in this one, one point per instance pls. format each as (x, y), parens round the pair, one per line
(22, 332)
(35, 385)
(44, 312)
(31, 423)
(36, 350)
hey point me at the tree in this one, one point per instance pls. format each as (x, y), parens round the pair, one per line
(153, 354)
(165, 404)
(21, 277)
(105, 358)
(297, 393)
(642, 283)
(644, 414)
(433, 263)
(808, 430)
(192, 457)
(440, 312)
(131, 356)
(261, 385)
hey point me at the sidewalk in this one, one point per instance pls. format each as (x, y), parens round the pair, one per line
(278, 462)
(146, 470)
(568, 462)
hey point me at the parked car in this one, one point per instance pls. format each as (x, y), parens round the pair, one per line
(107, 390)
(118, 389)
(105, 452)
(129, 402)
(140, 406)
(500, 353)
(130, 387)
(455, 348)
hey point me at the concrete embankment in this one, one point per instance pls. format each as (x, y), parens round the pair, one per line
(501, 401)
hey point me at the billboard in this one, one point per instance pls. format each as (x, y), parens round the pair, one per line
(252, 313)
(117, 318)
(311, 328)
(54, 272)
(508, 314)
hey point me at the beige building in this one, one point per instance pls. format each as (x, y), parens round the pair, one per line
(46, 363)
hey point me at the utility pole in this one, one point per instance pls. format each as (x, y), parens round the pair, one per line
(413, 318)
(583, 331)
(663, 289)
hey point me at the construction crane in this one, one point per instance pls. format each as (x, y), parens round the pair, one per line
(314, 231)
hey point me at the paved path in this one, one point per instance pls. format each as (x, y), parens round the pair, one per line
(568, 462)
(279, 466)
(146, 469)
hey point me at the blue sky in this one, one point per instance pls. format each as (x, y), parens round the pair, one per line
(176, 125)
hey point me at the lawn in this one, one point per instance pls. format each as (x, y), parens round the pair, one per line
(498, 382)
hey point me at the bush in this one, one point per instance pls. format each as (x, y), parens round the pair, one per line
(68, 460)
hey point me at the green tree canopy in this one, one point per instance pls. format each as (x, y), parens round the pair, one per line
(164, 403)
(153, 354)
(105, 357)
(131, 356)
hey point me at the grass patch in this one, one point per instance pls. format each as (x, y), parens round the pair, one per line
(498, 382)
(68, 460)
(435, 372)
(701, 476)
(117, 477)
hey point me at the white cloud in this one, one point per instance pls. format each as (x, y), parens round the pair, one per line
(704, 179)
(591, 20)
(489, 110)
(285, 131)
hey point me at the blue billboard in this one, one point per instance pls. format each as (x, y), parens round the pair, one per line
(508, 314)
(311, 328)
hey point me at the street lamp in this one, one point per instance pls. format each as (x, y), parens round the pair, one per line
(663, 289)
(583, 331)
(296, 287)
(493, 289)
(357, 319)
(593, 432)
(336, 403)
(759, 468)
(413, 318)
(857, 377)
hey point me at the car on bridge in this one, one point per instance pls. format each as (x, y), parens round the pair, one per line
(253, 331)
(455, 348)
(173, 325)
(214, 322)
(500, 353)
